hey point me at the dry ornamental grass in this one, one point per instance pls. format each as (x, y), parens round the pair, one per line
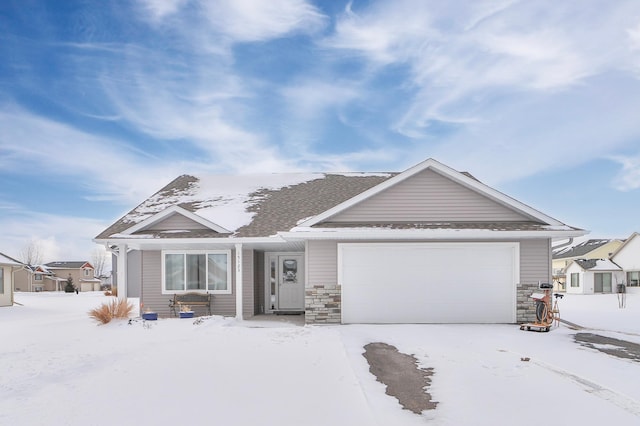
(117, 308)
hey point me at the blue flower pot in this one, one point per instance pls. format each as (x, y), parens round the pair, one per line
(186, 314)
(150, 316)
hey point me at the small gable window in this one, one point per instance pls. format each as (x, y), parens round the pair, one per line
(37, 277)
(196, 271)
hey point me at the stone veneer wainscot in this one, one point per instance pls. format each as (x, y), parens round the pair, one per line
(323, 304)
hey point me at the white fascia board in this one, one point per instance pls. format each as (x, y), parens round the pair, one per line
(161, 242)
(177, 210)
(448, 172)
(622, 246)
(415, 234)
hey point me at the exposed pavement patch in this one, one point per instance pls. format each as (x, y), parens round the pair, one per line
(609, 345)
(400, 372)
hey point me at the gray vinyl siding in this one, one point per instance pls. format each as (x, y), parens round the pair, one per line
(535, 261)
(152, 297)
(176, 222)
(322, 266)
(247, 283)
(427, 197)
(134, 273)
(322, 263)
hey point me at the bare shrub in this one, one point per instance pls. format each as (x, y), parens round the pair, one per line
(117, 308)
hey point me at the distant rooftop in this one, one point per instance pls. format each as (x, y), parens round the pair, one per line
(580, 249)
(67, 265)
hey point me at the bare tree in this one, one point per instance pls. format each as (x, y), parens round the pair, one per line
(31, 254)
(99, 258)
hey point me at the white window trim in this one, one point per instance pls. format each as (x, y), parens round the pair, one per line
(626, 276)
(577, 275)
(206, 253)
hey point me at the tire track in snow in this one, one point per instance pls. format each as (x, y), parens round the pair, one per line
(616, 398)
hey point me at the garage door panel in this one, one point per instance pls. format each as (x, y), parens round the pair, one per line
(428, 283)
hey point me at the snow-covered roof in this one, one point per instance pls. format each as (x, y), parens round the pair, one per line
(247, 205)
(598, 265)
(266, 205)
(580, 249)
(68, 264)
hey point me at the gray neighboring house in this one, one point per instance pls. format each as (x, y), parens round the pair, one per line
(427, 245)
(8, 266)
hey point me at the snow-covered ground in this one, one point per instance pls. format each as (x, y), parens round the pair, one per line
(58, 367)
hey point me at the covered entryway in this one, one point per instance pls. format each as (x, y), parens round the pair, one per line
(285, 282)
(428, 282)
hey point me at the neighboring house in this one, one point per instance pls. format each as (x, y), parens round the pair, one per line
(589, 276)
(34, 278)
(428, 245)
(81, 272)
(590, 249)
(627, 256)
(8, 266)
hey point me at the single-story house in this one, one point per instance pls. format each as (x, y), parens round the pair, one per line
(8, 266)
(627, 256)
(427, 245)
(589, 276)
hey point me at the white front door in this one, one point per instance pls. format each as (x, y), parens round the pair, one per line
(285, 278)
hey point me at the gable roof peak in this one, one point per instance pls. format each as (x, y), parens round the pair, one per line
(464, 179)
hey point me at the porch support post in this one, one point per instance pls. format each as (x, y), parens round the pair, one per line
(239, 290)
(121, 277)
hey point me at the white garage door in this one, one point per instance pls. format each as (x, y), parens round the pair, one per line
(428, 282)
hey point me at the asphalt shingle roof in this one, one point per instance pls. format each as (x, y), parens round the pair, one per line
(580, 249)
(274, 210)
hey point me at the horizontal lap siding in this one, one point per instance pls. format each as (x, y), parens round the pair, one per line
(322, 261)
(427, 197)
(177, 221)
(535, 261)
(247, 284)
(152, 297)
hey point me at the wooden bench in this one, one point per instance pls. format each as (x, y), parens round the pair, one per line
(191, 300)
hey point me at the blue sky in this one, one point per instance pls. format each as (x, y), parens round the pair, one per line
(103, 103)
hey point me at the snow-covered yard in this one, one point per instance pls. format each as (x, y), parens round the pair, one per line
(58, 367)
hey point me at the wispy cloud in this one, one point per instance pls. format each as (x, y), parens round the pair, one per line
(629, 177)
(95, 164)
(485, 71)
(58, 237)
(256, 20)
(466, 51)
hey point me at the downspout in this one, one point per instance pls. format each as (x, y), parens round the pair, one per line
(562, 245)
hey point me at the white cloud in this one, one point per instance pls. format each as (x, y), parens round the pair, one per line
(628, 178)
(58, 237)
(257, 20)
(458, 53)
(236, 21)
(99, 165)
(159, 9)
